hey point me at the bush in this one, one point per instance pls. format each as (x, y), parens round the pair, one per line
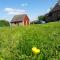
(4, 23)
(40, 17)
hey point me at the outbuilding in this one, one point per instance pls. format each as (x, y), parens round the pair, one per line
(54, 14)
(21, 19)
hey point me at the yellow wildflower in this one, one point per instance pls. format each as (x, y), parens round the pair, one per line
(35, 50)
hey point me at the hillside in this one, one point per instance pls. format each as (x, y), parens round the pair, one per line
(16, 42)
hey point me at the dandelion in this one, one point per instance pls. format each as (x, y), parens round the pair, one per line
(35, 50)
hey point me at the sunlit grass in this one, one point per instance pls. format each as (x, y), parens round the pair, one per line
(17, 42)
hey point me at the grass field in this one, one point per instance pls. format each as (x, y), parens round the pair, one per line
(16, 42)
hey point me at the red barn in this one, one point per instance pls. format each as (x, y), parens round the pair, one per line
(21, 19)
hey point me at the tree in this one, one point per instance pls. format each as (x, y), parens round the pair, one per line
(41, 17)
(4, 23)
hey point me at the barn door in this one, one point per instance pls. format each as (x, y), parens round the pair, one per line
(26, 21)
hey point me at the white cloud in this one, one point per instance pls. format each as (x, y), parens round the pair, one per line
(24, 4)
(12, 11)
(48, 10)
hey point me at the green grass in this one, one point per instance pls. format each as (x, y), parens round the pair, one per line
(16, 42)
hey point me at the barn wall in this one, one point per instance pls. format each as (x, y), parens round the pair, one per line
(26, 21)
(21, 23)
(12, 24)
(17, 24)
(54, 17)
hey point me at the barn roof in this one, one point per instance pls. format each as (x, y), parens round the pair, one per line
(56, 7)
(18, 18)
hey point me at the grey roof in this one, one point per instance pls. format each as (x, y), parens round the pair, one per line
(18, 18)
(56, 7)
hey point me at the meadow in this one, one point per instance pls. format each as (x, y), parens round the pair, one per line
(16, 43)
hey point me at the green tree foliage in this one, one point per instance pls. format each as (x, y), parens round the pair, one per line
(41, 17)
(4, 23)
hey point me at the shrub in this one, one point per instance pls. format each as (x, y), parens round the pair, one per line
(40, 17)
(4, 23)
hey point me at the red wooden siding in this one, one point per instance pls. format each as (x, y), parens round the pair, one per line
(26, 20)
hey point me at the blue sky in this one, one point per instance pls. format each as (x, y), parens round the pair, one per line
(33, 8)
